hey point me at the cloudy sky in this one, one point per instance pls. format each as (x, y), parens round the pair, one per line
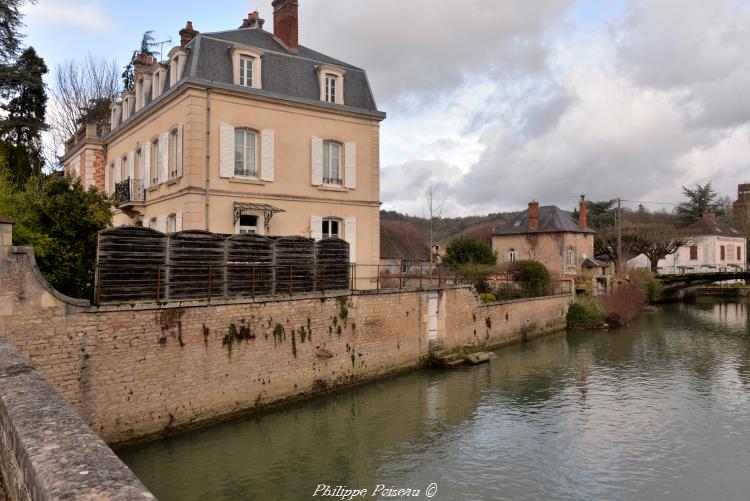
(501, 102)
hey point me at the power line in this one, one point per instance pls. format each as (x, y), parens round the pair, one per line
(645, 202)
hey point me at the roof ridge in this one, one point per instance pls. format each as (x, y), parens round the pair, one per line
(283, 51)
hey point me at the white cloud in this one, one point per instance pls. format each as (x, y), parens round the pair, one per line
(85, 15)
(502, 102)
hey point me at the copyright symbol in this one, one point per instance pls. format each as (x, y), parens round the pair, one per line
(431, 490)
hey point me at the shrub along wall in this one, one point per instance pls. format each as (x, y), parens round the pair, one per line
(140, 369)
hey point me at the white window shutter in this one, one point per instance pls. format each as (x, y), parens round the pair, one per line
(350, 160)
(106, 178)
(118, 170)
(317, 161)
(163, 157)
(178, 160)
(146, 152)
(131, 165)
(316, 227)
(161, 223)
(226, 150)
(268, 155)
(178, 221)
(350, 234)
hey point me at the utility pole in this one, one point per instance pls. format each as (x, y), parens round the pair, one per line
(619, 236)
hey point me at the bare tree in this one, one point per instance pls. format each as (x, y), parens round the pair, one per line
(81, 92)
(432, 210)
(656, 241)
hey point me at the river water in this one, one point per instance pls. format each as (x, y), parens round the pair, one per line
(658, 410)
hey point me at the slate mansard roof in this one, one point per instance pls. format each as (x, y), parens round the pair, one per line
(285, 73)
(552, 219)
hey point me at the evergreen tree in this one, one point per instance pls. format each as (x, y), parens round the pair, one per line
(698, 200)
(61, 220)
(468, 250)
(147, 44)
(21, 128)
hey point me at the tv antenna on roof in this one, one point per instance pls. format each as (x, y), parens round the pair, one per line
(161, 47)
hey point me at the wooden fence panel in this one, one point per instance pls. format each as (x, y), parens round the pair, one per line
(249, 265)
(332, 264)
(295, 264)
(130, 264)
(196, 265)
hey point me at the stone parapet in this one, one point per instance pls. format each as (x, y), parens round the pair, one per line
(46, 451)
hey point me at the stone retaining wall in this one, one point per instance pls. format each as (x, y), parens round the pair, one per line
(132, 371)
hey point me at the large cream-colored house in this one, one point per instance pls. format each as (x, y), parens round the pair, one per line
(711, 245)
(242, 131)
(548, 235)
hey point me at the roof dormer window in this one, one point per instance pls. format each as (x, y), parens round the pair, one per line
(246, 71)
(116, 109)
(331, 81)
(246, 64)
(331, 84)
(177, 57)
(157, 81)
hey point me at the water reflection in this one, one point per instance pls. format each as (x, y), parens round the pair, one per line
(656, 410)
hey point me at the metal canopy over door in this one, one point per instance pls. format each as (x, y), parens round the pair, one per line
(432, 316)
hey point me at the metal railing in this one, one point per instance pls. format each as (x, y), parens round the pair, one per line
(703, 268)
(128, 282)
(130, 190)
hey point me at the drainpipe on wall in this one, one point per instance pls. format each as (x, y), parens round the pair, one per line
(207, 147)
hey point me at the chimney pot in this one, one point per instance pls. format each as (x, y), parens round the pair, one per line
(285, 22)
(253, 21)
(187, 34)
(582, 213)
(533, 215)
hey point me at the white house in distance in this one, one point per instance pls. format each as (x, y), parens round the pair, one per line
(712, 246)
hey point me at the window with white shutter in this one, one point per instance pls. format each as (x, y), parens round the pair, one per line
(163, 157)
(331, 163)
(178, 221)
(316, 149)
(131, 165)
(350, 235)
(146, 159)
(226, 150)
(175, 154)
(350, 162)
(268, 154)
(118, 170)
(316, 227)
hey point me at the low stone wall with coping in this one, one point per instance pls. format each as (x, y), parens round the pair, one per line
(46, 450)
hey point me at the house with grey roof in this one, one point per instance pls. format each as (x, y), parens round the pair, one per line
(711, 245)
(242, 130)
(549, 235)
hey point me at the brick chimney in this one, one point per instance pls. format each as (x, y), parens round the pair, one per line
(285, 22)
(187, 34)
(533, 216)
(582, 215)
(710, 214)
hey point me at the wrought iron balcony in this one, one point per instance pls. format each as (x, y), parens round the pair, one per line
(336, 181)
(129, 191)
